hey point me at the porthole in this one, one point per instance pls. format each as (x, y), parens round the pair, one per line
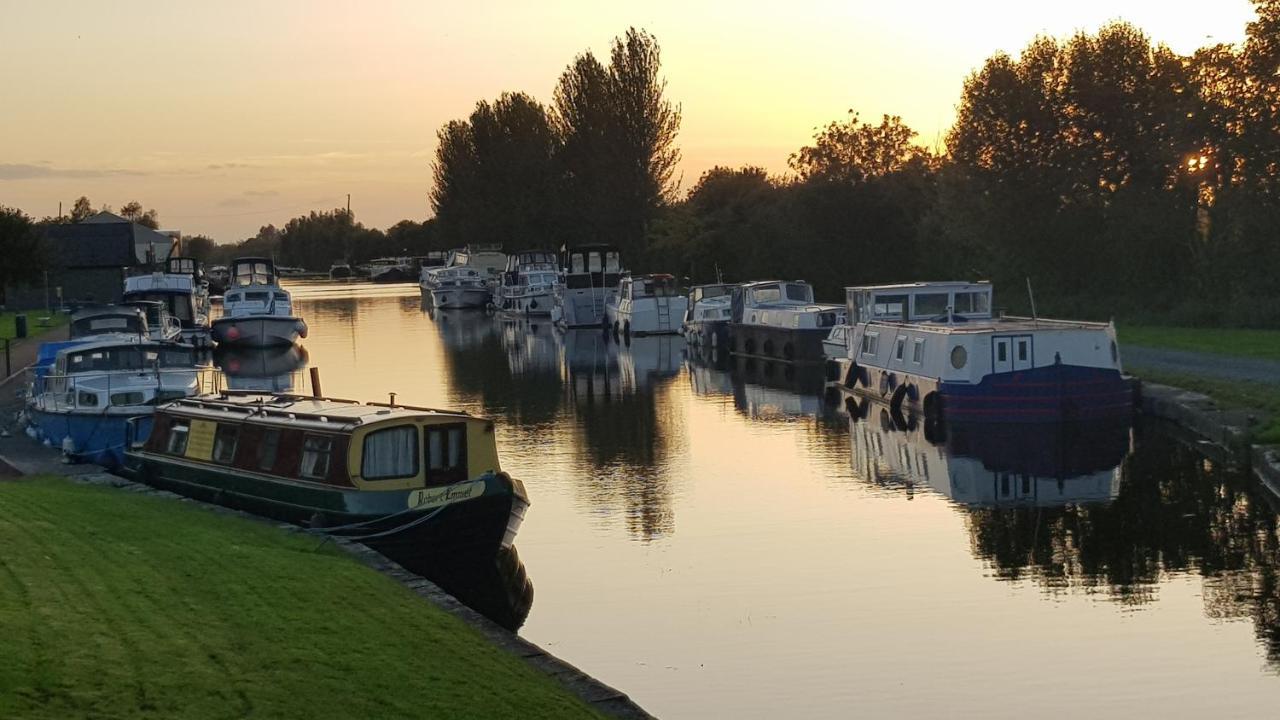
(959, 356)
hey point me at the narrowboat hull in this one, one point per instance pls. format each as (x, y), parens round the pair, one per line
(258, 330)
(458, 298)
(416, 528)
(793, 345)
(96, 437)
(1048, 394)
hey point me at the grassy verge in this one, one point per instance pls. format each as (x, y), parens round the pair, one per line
(1261, 398)
(34, 327)
(1263, 344)
(119, 605)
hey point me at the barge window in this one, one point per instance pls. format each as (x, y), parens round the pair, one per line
(893, 307)
(268, 444)
(1022, 350)
(899, 348)
(766, 294)
(447, 452)
(1002, 352)
(799, 292)
(871, 344)
(179, 431)
(390, 453)
(315, 456)
(973, 303)
(930, 304)
(917, 353)
(225, 439)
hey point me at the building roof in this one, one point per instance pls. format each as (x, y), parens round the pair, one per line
(106, 240)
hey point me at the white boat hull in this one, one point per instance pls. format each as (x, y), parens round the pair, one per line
(446, 298)
(258, 330)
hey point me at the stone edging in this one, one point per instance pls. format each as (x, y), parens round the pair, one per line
(1228, 429)
(603, 698)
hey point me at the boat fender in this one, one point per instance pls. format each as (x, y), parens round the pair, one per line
(933, 407)
(853, 377)
(302, 328)
(887, 383)
(899, 395)
(233, 333)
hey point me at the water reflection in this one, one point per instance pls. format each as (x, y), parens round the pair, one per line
(271, 369)
(500, 590)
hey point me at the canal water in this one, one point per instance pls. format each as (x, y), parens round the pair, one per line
(720, 540)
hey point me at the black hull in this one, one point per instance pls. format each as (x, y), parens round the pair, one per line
(790, 345)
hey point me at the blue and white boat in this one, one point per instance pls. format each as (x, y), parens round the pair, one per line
(84, 393)
(779, 320)
(256, 311)
(938, 347)
(184, 292)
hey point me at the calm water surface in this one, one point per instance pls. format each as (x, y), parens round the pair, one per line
(722, 542)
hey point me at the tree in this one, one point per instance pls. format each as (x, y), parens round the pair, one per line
(854, 152)
(316, 240)
(199, 247)
(133, 212)
(81, 209)
(21, 247)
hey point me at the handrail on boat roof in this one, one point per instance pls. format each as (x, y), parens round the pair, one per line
(294, 397)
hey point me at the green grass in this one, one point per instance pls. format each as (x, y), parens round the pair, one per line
(56, 319)
(116, 605)
(1263, 344)
(1261, 398)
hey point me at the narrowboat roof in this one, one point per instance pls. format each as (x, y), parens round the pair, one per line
(333, 413)
(942, 285)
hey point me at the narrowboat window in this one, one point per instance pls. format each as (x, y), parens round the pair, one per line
(315, 456)
(917, 352)
(930, 304)
(975, 303)
(889, 306)
(1022, 350)
(390, 453)
(447, 450)
(178, 434)
(225, 439)
(899, 347)
(268, 445)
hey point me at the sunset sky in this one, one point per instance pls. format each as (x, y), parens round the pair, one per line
(225, 116)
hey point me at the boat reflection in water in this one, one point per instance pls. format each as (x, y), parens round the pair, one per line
(266, 369)
(762, 390)
(989, 464)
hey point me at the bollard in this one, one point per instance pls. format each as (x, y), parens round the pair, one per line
(19, 326)
(8, 361)
(315, 382)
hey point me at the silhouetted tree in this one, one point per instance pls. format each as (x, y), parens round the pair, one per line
(81, 209)
(133, 212)
(21, 248)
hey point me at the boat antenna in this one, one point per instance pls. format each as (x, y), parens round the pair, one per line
(719, 275)
(1032, 297)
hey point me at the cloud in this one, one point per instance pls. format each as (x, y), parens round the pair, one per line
(235, 202)
(30, 171)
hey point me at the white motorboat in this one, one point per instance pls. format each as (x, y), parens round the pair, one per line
(646, 305)
(706, 320)
(183, 290)
(778, 320)
(257, 312)
(528, 284)
(587, 284)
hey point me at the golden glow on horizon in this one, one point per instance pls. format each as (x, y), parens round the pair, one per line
(227, 116)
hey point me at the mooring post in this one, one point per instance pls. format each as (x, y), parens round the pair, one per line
(8, 363)
(315, 382)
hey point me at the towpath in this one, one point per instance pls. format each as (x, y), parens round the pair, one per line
(1202, 364)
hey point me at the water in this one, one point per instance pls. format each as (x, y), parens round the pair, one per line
(725, 543)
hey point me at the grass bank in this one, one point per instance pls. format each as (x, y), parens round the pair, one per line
(119, 605)
(55, 319)
(1263, 344)
(1262, 398)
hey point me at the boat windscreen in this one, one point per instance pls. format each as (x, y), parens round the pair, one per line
(129, 358)
(107, 324)
(799, 292)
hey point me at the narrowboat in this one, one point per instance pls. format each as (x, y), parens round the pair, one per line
(183, 290)
(989, 465)
(82, 398)
(778, 320)
(589, 282)
(257, 312)
(706, 319)
(939, 348)
(646, 305)
(529, 283)
(419, 485)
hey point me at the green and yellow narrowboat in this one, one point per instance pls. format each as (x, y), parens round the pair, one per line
(419, 485)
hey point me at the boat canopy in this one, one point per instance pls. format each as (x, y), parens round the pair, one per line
(597, 265)
(649, 286)
(104, 357)
(252, 271)
(920, 302)
(109, 319)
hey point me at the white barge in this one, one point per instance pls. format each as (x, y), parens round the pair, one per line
(939, 348)
(778, 320)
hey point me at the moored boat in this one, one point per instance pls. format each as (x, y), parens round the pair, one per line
(528, 284)
(706, 320)
(646, 305)
(938, 347)
(778, 320)
(257, 312)
(183, 290)
(589, 282)
(416, 484)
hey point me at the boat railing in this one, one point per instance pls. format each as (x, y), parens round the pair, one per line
(988, 325)
(71, 391)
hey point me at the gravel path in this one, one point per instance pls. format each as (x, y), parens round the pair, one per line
(1211, 365)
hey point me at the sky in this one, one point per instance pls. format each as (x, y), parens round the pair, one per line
(225, 116)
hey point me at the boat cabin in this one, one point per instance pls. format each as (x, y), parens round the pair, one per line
(782, 303)
(84, 374)
(185, 266)
(945, 302)
(592, 266)
(252, 271)
(648, 286)
(326, 442)
(160, 321)
(127, 319)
